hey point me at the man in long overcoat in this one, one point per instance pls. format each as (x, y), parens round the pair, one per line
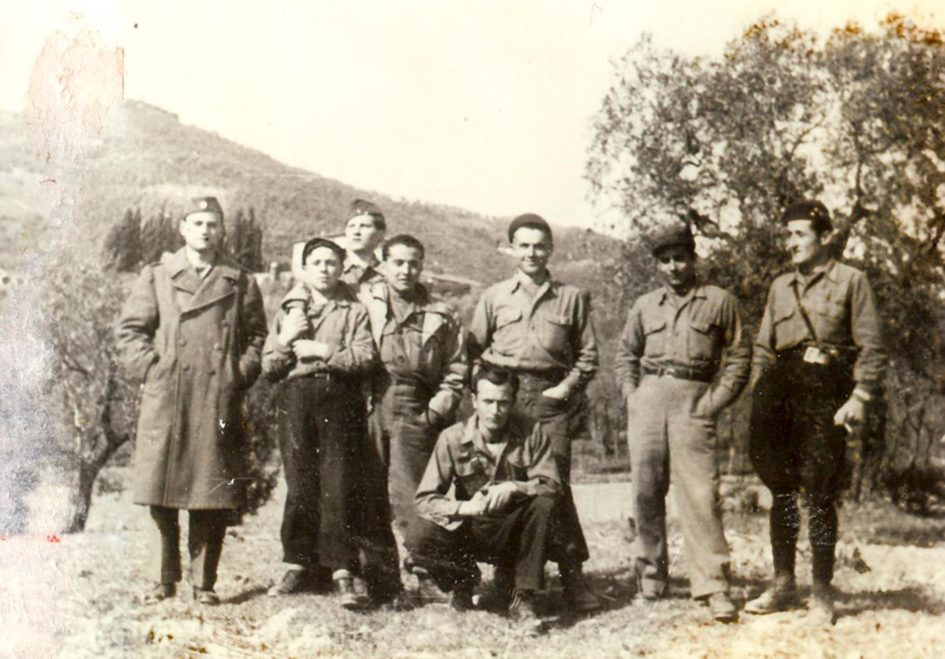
(192, 330)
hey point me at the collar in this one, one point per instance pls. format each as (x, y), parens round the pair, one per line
(512, 283)
(514, 431)
(828, 269)
(177, 262)
(697, 291)
(352, 260)
(341, 296)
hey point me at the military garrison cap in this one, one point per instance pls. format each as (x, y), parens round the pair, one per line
(204, 205)
(315, 243)
(364, 207)
(530, 221)
(814, 211)
(676, 234)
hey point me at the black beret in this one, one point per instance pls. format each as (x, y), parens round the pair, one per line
(364, 207)
(677, 234)
(204, 205)
(315, 243)
(531, 221)
(813, 211)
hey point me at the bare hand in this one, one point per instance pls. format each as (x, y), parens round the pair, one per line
(558, 392)
(851, 415)
(474, 507)
(306, 349)
(500, 495)
(293, 326)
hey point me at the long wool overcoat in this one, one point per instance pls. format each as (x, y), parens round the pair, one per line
(196, 345)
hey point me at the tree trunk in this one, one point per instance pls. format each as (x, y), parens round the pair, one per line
(82, 496)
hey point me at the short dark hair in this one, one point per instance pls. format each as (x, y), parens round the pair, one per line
(496, 375)
(315, 243)
(403, 239)
(812, 211)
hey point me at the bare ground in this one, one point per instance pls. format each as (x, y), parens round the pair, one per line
(79, 596)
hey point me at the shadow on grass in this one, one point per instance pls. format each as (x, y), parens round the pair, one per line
(911, 598)
(246, 595)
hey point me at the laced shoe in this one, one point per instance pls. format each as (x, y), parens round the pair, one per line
(522, 612)
(780, 596)
(578, 596)
(722, 607)
(821, 603)
(160, 592)
(206, 596)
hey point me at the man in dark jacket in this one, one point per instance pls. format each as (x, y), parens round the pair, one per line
(192, 329)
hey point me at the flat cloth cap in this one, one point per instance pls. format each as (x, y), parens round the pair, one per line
(531, 221)
(364, 207)
(814, 211)
(676, 234)
(315, 243)
(204, 205)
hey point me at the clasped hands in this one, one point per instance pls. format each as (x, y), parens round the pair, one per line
(294, 325)
(490, 499)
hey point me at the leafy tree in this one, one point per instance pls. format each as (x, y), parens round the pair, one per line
(857, 119)
(123, 243)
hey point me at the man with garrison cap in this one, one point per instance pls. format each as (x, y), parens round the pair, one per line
(192, 329)
(364, 233)
(682, 358)
(541, 329)
(818, 366)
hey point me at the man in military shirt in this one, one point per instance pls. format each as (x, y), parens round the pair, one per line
(502, 472)
(817, 367)
(541, 329)
(192, 329)
(364, 232)
(682, 359)
(421, 345)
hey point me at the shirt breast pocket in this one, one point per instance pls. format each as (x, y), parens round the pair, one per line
(703, 339)
(505, 316)
(830, 320)
(470, 473)
(554, 331)
(654, 336)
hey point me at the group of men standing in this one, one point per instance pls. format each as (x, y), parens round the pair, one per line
(372, 369)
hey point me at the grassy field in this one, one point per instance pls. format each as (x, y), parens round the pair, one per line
(79, 596)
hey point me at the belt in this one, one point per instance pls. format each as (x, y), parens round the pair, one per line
(678, 372)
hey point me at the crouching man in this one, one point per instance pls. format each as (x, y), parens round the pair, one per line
(506, 491)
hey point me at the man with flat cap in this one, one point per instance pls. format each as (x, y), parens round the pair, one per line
(682, 358)
(818, 366)
(192, 329)
(541, 329)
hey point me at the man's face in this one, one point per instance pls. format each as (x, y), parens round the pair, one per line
(403, 267)
(362, 233)
(532, 248)
(678, 266)
(493, 403)
(202, 231)
(322, 269)
(803, 243)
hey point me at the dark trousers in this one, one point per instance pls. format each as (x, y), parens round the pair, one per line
(207, 529)
(796, 448)
(560, 425)
(322, 436)
(411, 440)
(518, 539)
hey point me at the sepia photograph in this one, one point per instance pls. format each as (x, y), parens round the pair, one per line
(486, 328)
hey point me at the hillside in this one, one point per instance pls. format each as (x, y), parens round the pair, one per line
(148, 157)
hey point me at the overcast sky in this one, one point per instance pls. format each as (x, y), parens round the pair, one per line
(483, 104)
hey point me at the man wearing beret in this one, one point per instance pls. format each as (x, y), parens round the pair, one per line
(682, 358)
(192, 329)
(818, 365)
(541, 329)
